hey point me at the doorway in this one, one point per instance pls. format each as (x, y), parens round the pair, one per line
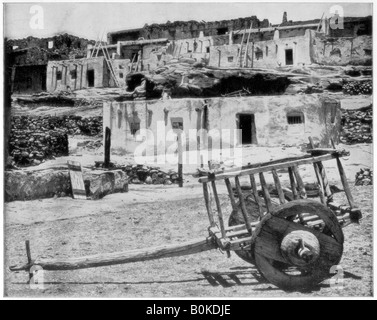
(90, 76)
(288, 57)
(246, 124)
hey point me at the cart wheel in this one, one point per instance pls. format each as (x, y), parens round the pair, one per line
(236, 218)
(293, 256)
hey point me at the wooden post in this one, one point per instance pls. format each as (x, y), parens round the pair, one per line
(252, 55)
(107, 147)
(180, 162)
(344, 180)
(208, 205)
(28, 254)
(247, 46)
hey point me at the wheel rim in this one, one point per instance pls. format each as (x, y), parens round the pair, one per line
(295, 270)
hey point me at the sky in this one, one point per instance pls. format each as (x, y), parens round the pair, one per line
(94, 20)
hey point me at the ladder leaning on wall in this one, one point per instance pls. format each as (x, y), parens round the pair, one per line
(97, 47)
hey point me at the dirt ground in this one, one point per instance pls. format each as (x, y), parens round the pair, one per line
(149, 216)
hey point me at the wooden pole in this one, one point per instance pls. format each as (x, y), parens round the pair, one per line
(180, 162)
(247, 46)
(107, 147)
(243, 205)
(108, 259)
(256, 196)
(343, 178)
(208, 205)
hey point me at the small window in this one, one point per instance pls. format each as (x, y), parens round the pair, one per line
(121, 75)
(276, 48)
(58, 75)
(230, 59)
(368, 52)
(207, 49)
(120, 66)
(295, 118)
(258, 54)
(221, 31)
(177, 123)
(266, 51)
(73, 74)
(135, 127)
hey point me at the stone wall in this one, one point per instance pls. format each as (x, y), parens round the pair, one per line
(357, 125)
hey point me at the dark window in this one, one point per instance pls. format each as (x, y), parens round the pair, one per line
(230, 59)
(295, 118)
(121, 75)
(258, 54)
(288, 57)
(368, 52)
(266, 51)
(177, 123)
(221, 31)
(73, 74)
(90, 76)
(207, 49)
(135, 127)
(58, 75)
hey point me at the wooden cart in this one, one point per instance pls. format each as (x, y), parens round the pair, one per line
(293, 243)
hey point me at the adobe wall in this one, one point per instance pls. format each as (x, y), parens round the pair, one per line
(321, 118)
(272, 52)
(341, 51)
(81, 66)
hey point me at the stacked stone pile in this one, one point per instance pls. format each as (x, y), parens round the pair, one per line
(141, 174)
(357, 126)
(30, 144)
(358, 87)
(364, 177)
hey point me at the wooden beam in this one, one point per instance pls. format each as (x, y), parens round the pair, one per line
(268, 167)
(293, 183)
(108, 259)
(300, 183)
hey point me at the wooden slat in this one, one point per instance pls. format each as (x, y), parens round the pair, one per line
(323, 176)
(278, 186)
(293, 183)
(267, 197)
(318, 175)
(77, 180)
(256, 196)
(343, 178)
(219, 211)
(300, 183)
(242, 203)
(267, 167)
(208, 205)
(230, 193)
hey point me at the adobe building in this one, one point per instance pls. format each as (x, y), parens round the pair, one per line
(264, 120)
